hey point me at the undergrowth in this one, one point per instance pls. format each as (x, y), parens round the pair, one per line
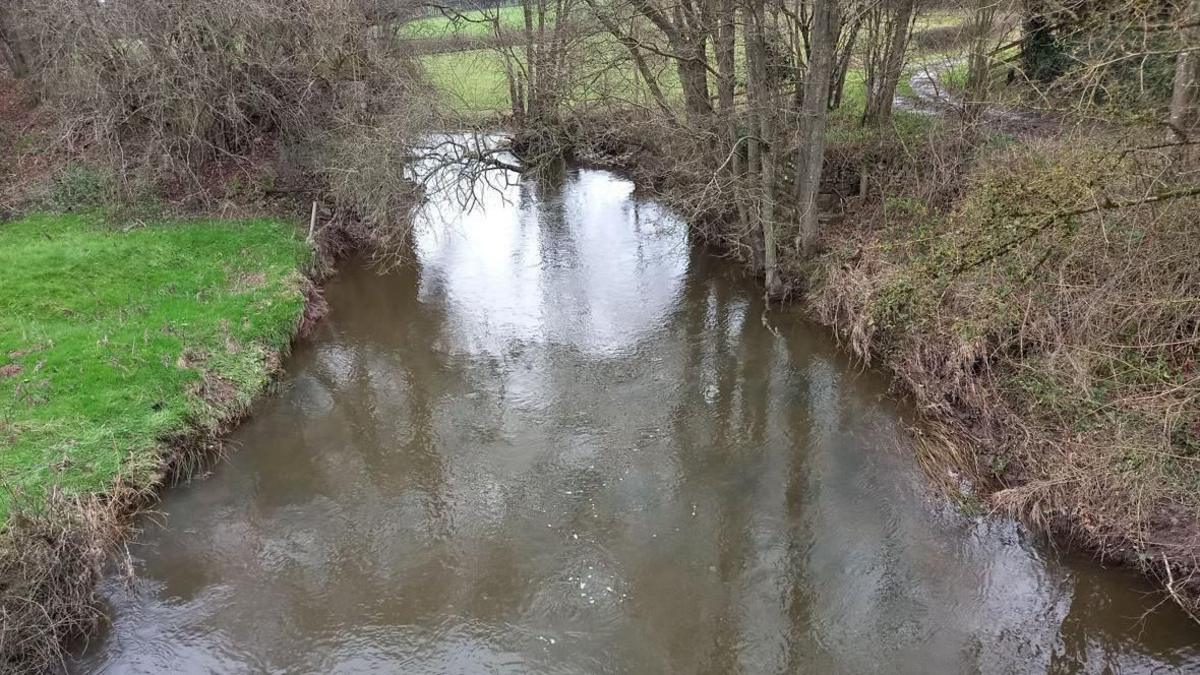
(1051, 318)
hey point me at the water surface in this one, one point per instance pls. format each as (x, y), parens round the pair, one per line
(562, 440)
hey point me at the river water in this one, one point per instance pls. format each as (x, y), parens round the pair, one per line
(560, 439)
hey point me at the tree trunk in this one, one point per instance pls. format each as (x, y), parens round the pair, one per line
(724, 44)
(751, 55)
(14, 50)
(881, 91)
(1187, 76)
(842, 67)
(979, 27)
(763, 103)
(693, 74)
(1041, 53)
(826, 24)
(531, 58)
(688, 38)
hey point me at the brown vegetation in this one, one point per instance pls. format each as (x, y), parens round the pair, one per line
(1061, 351)
(1037, 296)
(50, 580)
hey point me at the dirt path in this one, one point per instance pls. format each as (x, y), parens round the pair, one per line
(932, 96)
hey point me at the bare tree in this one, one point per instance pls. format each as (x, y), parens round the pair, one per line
(810, 155)
(636, 53)
(1186, 86)
(980, 27)
(848, 43)
(15, 49)
(889, 26)
(761, 93)
(685, 25)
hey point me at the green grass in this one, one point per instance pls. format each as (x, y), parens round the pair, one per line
(955, 77)
(474, 81)
(112, 341)
(471, 81)
(471, 23)
(845, 122)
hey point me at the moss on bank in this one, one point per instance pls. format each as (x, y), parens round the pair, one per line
(118, 344)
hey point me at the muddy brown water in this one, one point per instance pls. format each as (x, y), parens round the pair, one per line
(562, 440)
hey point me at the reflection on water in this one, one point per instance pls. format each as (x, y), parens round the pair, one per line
(562, 441)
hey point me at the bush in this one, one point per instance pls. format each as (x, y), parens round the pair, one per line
(183, 83)
(77, 187)
(1050, 317)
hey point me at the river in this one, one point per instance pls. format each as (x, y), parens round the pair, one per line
(561, 439)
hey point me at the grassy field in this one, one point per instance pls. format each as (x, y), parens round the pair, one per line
(471, 81)
(473, 23)
(478, 23)
(474, 83)
(112, 341)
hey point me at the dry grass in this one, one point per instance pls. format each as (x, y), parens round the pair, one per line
(50, 563)
(53, 553)
(1048, 319)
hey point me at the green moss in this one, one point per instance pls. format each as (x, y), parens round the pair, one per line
(114, 340)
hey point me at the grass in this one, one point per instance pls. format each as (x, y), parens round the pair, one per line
(474, 82)
(469, 23)
(845, 121)
(112, 341)
(955, 77)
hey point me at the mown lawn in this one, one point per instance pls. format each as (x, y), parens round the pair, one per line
(112, 341)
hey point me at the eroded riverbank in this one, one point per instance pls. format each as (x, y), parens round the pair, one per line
(563, 440)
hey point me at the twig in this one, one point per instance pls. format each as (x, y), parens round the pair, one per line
(312, 224)
(1049, 219)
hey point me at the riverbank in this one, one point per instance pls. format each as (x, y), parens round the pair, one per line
(507, 453)
(126, 349)
(1044, 314)
(1034, 301)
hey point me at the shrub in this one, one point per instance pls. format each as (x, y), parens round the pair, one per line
(182, 83)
